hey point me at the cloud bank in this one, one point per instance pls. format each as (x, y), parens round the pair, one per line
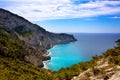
(39, 10)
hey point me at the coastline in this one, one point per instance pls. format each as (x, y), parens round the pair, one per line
(45, 66)
(49, 54)
(44, 62)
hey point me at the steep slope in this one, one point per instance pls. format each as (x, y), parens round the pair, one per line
(12, 63)
(32, 35)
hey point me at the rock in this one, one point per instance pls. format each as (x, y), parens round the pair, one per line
(46, 58)
(118, 42)
(116, 76)
(34, 60)
(105, 71)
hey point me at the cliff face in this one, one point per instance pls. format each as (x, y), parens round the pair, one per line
(33, 36)
(31, 33)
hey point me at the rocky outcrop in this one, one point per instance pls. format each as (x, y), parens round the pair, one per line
(102, 71)
(118, 42)
(33, 36)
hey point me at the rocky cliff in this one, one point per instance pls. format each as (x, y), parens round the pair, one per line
(33, 36)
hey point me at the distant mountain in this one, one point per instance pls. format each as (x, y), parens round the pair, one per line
(37, 39)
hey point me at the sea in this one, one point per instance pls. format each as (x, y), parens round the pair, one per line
(86, 46)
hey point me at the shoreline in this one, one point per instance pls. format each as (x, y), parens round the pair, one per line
(45, 66)
(44, 62)
(49, 54)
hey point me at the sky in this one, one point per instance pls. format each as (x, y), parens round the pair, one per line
(84, 16)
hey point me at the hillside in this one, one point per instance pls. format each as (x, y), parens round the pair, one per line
(12, 63)
(33, 36)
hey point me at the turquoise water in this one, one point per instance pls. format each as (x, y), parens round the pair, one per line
(88, 45)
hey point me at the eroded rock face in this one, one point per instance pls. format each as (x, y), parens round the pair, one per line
(34, 36)
(34, 60)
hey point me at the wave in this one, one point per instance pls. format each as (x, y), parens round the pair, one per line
(45, 65)
(45, 62)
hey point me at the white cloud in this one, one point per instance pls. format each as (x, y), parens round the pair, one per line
(116, 17)
(38, 10)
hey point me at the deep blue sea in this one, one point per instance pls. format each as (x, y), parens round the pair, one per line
(88, 45)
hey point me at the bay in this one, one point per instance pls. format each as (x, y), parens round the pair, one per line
(88, 45)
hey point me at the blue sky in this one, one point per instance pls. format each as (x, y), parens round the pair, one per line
(91, 16)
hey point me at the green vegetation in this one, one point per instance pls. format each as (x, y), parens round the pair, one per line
(23, 31)
(10, 47)
(68, 73)
(13, 66)
(113, 55)
(11, 69)
(25, 34)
